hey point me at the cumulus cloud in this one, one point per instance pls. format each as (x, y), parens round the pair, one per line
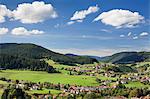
(120, 18)
(3, 31)
(144, 34)
(20, 31)
(34, 13)
(80, 15)
(4, 12)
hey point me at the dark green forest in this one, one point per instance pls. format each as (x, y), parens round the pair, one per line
(127, 57)
(15, 62)
(33, 51)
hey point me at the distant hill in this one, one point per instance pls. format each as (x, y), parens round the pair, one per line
(33, 51)
(95, 57)
(69, 54)
(127, 57)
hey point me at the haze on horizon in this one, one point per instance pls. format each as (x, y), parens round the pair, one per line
(99, 27)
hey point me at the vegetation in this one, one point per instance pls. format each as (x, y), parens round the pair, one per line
(38, 76)
(121, 68)
(14, 93)
(23, 76)
(127, 57)
(33, 51)
(15, 62)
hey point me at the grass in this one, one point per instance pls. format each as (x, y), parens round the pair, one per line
(136, 84)
(106, 78)
(38, 76)
(140, 64)
(57, 65)
(3, 82)
(44, 91)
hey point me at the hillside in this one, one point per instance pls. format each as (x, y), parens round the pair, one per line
(33, 51)
(127, 57)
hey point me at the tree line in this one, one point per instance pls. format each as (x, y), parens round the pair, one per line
(16, 62)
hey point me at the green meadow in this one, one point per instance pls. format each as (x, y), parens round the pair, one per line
(38, 76)
(136, 84)
(44, 91)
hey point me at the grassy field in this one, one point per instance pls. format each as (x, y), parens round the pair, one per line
(44, 91)
(140, 64)
(136, 84)
(38, 76)
(106, 78)
(57, 65)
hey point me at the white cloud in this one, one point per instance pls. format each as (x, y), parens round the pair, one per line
(70, 22)
(3, 31)
(122, 36)
(120, 18)
(34, 13)
(135, 37)
(144, 34)
(20, 31)
(105, 30)
(3, 13)
(80, 21)
(129, 34)
(80, 15)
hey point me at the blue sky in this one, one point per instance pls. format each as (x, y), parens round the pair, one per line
(70, 26)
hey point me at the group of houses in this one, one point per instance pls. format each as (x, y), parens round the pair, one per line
(78, 89)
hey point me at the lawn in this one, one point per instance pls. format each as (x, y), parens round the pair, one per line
(38, 76)
(106, 78)
(44, 91)
(136, 84)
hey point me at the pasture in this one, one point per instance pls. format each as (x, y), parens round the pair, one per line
(38, 76)
(136, 84)
(44, 91)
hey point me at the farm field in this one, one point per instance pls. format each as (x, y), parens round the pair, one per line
(37, 76)
(44, 91)
(136, 84)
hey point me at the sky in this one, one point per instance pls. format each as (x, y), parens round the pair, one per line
(83, 27)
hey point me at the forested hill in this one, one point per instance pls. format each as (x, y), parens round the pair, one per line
(127, 57)
(28, 50)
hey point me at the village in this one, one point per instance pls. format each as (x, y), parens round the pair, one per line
(113, 80)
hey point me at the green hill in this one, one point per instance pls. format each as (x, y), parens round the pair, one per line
(33, 51)
(127, 57)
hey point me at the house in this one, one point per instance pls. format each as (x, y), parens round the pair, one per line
(42, 96)
(35, 87)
